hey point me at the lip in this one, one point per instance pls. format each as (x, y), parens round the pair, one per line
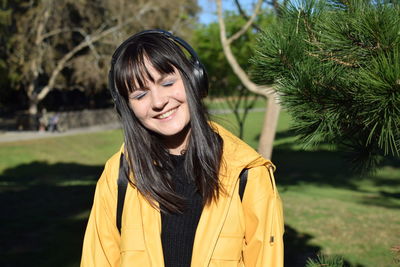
(172, 112)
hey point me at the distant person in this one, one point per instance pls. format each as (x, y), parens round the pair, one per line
(53, 123)
(43, 120)
(182, 205)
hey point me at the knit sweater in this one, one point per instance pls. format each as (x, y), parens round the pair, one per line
(178, 230)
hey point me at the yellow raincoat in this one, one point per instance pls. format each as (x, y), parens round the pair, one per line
(230, 232)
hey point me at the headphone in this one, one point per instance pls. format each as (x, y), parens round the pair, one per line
(199, 73)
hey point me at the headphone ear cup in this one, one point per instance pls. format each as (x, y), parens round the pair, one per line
(201, 77)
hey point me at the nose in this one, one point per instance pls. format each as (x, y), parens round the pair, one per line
(158, 99)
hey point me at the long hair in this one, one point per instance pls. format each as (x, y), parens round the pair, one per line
(148, 157)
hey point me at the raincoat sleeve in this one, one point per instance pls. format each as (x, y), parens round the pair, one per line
(102, 239)
(262, 208)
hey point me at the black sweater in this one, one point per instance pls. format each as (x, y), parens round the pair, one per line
(178, 230)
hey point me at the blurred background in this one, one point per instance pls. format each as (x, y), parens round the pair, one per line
(313, 85)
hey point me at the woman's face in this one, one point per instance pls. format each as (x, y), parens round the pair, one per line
(162, 107)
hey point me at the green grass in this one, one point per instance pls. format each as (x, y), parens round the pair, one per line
(47, 185)
(219, 103)
(253, 126)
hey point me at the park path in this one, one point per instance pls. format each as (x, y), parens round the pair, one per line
(15, 136)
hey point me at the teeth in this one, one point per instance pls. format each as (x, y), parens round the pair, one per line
(166, 114)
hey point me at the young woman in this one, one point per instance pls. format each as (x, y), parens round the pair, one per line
(182, 205)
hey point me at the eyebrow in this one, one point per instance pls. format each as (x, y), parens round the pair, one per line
(163, 76)
(158, 81)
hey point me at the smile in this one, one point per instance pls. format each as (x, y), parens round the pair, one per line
(166, 114)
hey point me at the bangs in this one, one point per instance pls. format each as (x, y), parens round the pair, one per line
(132, 67)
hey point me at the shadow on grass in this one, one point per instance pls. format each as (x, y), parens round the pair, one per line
(44, 213)
(282, 134)
(298, 249)
(330, 168)
(381, 200)
(321, 166)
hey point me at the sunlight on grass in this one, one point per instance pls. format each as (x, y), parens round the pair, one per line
(88, 149)
(339, 224)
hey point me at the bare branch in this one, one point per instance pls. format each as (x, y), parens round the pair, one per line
(245, 16)
(261, 90)
(58, 31)
(90, 43)
(248, 23)
(78, 30)
(85, 43)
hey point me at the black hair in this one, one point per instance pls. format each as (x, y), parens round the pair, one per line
(152, 171)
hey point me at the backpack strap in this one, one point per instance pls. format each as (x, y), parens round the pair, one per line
(122, 186)
(242, 182)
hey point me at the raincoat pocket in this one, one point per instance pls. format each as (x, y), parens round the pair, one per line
(133, 248)
(228, 248)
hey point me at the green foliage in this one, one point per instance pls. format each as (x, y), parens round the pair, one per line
(336, 67)
(325, 261)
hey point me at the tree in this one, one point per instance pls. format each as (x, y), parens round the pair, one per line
(223, 82)
(273, 107)
(337, 69)
(59, 44)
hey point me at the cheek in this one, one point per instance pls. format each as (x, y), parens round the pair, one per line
(138, 109)
(185, 103)
(181, 95)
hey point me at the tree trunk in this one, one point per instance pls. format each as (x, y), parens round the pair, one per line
(29, 121)
(270, 124)
(32, 96)
(33, 104)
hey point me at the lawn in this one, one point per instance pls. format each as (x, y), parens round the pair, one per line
(47, 185)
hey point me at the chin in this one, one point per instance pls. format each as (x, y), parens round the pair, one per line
(172, 132)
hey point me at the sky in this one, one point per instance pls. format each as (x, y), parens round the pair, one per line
(209, 8)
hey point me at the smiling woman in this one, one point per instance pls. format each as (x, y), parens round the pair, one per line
(182, 204)
(161, 107)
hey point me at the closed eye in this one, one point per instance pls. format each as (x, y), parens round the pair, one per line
(138, 95)
(167, 83)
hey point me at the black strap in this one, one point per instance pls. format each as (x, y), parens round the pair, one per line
(242, 182)
(122, 186)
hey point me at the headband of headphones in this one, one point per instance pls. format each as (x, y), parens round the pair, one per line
(199, 72)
